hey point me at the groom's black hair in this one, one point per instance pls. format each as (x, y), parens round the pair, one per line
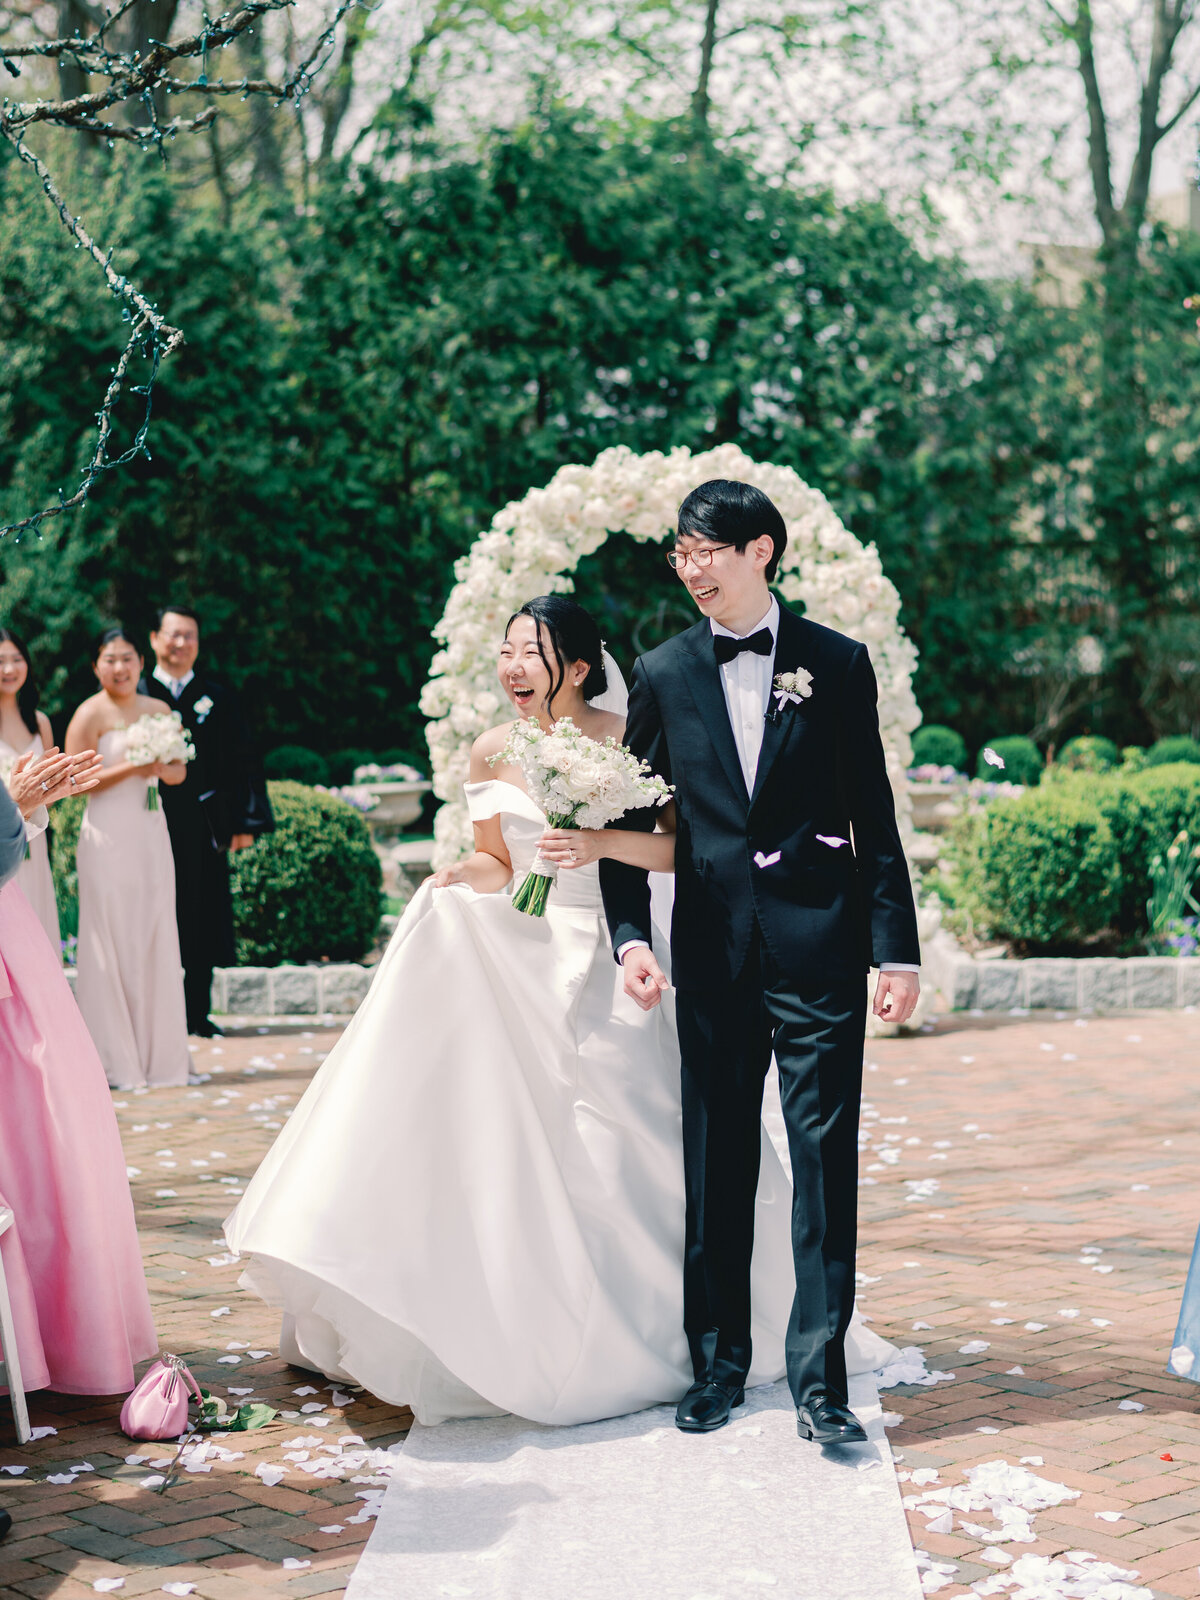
(730, 512)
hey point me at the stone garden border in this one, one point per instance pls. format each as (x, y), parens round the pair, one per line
(1133, 983)
(1130, 983)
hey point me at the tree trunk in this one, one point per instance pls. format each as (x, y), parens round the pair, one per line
(701, 104)
(264, 141)
(335, 102)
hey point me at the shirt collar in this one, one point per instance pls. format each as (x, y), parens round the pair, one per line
(769, 621)
(166, 678)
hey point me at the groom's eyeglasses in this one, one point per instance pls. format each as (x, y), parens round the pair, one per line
(702, 558)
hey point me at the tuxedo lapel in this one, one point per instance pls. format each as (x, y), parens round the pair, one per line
(789, 645)
(704, 681)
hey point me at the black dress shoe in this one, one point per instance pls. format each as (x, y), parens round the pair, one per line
(707, 1406)
(205, 1030)
(5, 1522)
(829, 1421)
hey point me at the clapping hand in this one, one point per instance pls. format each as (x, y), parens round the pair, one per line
(52, 776)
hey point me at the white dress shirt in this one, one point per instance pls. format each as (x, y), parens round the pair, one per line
(175, 685)
(747, 681)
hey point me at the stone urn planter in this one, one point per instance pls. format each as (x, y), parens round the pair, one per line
(398, 805)
(934, 806)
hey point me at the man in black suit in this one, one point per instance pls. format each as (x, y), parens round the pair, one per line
(790, 881)
(220, 807)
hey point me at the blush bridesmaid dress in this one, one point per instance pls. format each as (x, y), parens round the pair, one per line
(72, 1260)
(130, 984)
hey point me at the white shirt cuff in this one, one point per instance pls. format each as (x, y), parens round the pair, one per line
(898, 966)
(37, 823)
(631, 944)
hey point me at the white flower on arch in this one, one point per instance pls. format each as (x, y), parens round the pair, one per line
(534, 544)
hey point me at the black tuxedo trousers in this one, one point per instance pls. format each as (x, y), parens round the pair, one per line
(726, 1037)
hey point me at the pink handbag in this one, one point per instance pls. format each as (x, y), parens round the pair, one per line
(158, 1407)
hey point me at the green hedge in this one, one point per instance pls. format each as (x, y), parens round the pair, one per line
(1145, 811)
(1023, 762)
(936, 746)
(65, 819)
(309, 890)
(1169, 751)
(1069, 863)
(312, 888)
(297, 763)
(1089, 753)
(1045, 869)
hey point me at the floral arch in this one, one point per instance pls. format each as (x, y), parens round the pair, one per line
(534, 544)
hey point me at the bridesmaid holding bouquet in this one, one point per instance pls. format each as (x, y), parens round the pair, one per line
(130, 986)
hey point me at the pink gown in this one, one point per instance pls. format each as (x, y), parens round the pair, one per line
(72, 1261)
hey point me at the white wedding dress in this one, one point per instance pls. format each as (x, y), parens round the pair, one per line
(477, 1206)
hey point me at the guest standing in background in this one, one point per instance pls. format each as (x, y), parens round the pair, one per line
(25, 729)
(130, 984)
(220, 807)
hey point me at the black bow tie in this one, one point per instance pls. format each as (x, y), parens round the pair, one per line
(725, 648)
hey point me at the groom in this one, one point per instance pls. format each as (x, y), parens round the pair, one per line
(790, 881)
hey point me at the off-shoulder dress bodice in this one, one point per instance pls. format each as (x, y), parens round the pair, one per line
(522, 823)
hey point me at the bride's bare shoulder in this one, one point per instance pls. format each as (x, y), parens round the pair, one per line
(487, 745)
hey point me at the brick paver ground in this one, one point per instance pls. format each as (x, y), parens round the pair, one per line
(1048, 1140)
(1065, 1153)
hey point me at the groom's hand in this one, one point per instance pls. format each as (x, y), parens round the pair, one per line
(896, 996)
(644, 978)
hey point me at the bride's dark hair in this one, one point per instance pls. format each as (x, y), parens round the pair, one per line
(573, 635)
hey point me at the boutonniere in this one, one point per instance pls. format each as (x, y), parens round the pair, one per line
(203, 706)
(791, 688)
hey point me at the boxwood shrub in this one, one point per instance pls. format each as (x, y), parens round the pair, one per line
(1089, 753)
(936, 746)
(311, 888)
(1167, 752)
(297, 762)
(1145, 810)
(1023, 761)
(1045, 869)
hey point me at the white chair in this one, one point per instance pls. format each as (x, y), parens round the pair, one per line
(8, 1344)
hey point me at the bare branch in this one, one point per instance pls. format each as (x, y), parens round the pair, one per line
(138, 77)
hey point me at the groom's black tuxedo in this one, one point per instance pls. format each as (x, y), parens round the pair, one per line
(823, 911)
(775, 924)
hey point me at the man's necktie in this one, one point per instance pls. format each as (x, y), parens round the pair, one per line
(725, 648)
(176, 688)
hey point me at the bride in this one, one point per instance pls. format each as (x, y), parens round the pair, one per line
(478, 1206)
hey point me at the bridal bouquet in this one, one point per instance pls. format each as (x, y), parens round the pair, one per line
(579, 783)
(158, 738)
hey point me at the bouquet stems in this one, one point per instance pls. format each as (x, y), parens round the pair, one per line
(152, 796)
(532, 896)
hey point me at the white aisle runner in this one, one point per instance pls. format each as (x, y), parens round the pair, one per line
(632, 1509)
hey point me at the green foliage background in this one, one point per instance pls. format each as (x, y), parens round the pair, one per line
(368, 377)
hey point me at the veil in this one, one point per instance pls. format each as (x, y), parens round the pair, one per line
(616, 695)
